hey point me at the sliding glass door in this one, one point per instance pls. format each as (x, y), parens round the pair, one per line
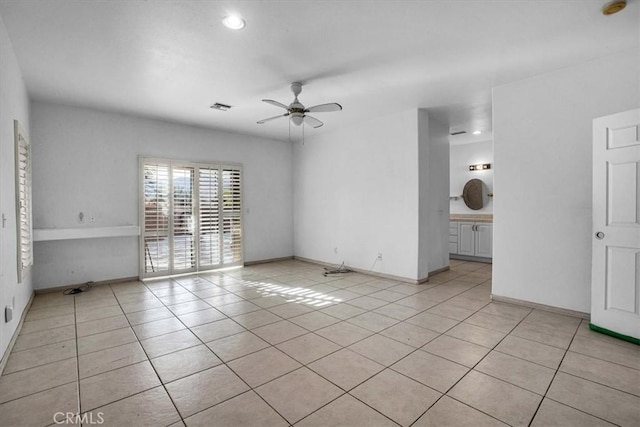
(191, 215)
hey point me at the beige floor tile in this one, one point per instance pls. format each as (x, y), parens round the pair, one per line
(216, 330)
(110, 359)
(510, 311)
(543, 334)
(45, 313)
(46, 324)
(263, 366)
(238, 308)
(50, 336)
(150, 408)
(158, 327)
(451, 311)
(382, 349)
(209, 292)
(408, 401)
(448, 412)
(409, 334)
(213, 386)
(182, 363)
(201, 317)
(238, 345)
(343, 295)
(108, 387)
(602, 372)
(314, 320)
(255, 319)
(298, 394)
(532, 351)
(85, 315)
(189, 307)
(168, 343)
(555, 414)
(178, 298)
(346, 368)
(490, 321)
(585, 332)
(149, 315)
(290, 309)
(595, 399)
(270, 301)
(105, 340)
(346, 411)
(467, 302)
(39, 409)
(627, 356)
(558, 322)
(307, 348)
(508, 403)
(433, 371)
(416, 303)
(145, 304)
(343, 311)
(522, 373)
(38, 356)
(247, 409)
(366, 302)
(103, 325)
(387, 295)
(23, 383)
(51, 300)
(223, 299)
(344, 333)
(278, 332)
(476, 334)
(135, 297)
(433, 322)
(396, 311)
(373, 321)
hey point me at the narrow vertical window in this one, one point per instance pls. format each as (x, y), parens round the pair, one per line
(23, 201)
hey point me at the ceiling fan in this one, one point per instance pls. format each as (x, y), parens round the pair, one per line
(297, 112)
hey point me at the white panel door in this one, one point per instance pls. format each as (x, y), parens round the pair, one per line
(484, 238)
(466, 239)
(615, 279)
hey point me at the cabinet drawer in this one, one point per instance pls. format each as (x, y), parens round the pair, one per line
(453, 248)
(453, 239)
(453, 231)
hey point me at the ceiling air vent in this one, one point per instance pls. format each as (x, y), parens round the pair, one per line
(221, 107)
(460, 132)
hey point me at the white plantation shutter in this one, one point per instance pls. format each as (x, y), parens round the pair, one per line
(23, 201)
(232, 215)
(192, 216)
(208, 186)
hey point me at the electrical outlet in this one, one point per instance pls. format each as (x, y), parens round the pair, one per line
(379, 256)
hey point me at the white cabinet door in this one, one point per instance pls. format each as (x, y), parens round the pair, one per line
(484, 240)
(466, 238)
(615, 277)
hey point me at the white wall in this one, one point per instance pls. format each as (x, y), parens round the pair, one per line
(356, 189)
(543, 149)
(462, 156)
(433, 195)
(14, 104)
(87, 161)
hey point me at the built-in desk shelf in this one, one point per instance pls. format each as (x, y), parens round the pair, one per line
(48, 234)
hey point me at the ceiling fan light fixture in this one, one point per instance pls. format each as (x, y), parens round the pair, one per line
(297, 118)
(234, 22)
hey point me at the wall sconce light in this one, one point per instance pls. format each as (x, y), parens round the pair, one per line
(480, 166)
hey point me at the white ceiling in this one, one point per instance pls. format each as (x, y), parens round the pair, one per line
(172, 59)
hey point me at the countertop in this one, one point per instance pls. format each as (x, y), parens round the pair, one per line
(471, 217)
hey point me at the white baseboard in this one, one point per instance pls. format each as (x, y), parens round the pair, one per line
(544, 307)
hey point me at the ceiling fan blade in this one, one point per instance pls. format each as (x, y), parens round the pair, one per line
(272, 118)
(275, 103)
(312, 121)
(324, 108)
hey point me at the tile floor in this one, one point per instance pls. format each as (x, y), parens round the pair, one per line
(280, 344)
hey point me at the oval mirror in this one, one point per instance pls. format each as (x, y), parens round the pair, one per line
(472, 194)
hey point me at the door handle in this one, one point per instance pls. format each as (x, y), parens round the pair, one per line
(599, 235)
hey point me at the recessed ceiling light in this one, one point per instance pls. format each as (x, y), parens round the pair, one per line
(234, 22)
(476, 132)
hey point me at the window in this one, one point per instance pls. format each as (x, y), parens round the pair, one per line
(191, 215)
(23, 201)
